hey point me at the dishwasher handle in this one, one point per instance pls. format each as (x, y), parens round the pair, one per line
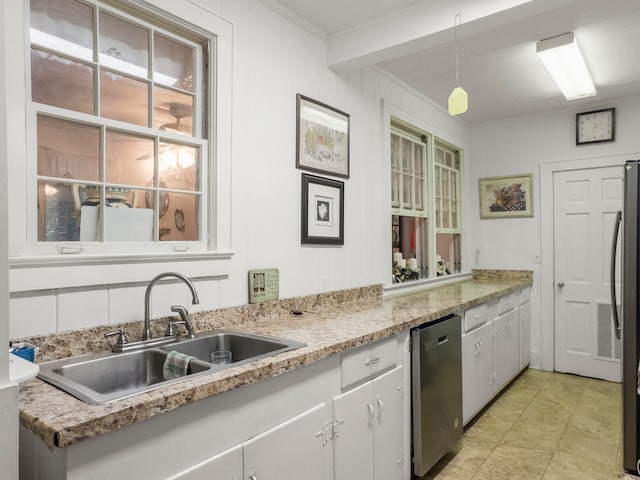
(436, 342)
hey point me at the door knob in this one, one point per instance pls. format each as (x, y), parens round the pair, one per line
(560, 284)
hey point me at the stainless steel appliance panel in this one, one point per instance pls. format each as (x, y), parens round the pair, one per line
(436, 369)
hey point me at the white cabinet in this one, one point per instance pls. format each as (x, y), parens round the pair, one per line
(369, 436)
(506, 348)
(298, 448)
(477, 370)
(495, 351)
(225, 466)
(525, 335)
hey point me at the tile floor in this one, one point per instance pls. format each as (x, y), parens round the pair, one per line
(546, 426)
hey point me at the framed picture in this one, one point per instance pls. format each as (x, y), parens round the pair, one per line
(322, 138)
(322, 211)
(506, 197)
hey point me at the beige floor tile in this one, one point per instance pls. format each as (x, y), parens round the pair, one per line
(580, 442)
(567, 466)
(471, 454)
(534, 435)
(508, 463)
(442, 471)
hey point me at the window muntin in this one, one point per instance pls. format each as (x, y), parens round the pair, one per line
(138, 89)
(426, 205)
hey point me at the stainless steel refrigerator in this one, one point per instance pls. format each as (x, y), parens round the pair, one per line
(630, 314)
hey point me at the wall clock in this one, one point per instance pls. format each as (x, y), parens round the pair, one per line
(596, 126)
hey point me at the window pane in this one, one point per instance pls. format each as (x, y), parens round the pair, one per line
(123, 98)
(57, 214)
(419, 202)
(448, 253)
(407, 155)
(68, 150)
(438, 174)
(454, 215)
(419, 152)
(65, 26)
(179, 166)
(445, 183)
(181, 221)
(454, 185)
(173, 111)
(439, 156)
(395, 189)
(445, 214)
(61, 82)
(124, 46)
(173, 63)
(407, 186)
(129, 158)
(410, 253)
(395, 152)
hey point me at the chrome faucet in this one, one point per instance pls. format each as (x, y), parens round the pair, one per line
(146, 333)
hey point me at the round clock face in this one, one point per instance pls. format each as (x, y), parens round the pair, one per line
(595, 126)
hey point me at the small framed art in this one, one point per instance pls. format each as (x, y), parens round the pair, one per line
(503, 197)
(322, 211)
(322, 138)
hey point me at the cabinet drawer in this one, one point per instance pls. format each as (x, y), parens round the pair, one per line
(507, 303)
(368, 361)
(525, 295)
(475, 316)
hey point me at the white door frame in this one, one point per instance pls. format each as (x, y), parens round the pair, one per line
(547, 281)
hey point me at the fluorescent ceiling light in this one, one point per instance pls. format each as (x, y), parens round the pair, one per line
(566, 65)
(46, 40)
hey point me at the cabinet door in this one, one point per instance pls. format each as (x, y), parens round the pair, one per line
(477, 370)
(354, 416)
(225, 466)
(298, 448)
(525, 335)
(389, 433)
(507, 348)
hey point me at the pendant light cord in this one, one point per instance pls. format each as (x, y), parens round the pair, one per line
(457, 21)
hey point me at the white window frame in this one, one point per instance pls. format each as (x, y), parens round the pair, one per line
(431, 141)
(33, 270)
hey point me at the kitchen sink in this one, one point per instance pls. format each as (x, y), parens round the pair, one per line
(98, 379)
(104, 377)
(244, 347)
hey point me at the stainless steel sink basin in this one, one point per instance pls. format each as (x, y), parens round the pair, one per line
(244, 347)
(105, 377)
(97, 379)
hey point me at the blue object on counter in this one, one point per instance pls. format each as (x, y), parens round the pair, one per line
(24, 350)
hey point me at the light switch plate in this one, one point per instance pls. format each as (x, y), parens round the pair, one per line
(264, 285)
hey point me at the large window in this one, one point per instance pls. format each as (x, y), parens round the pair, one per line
(119, 114)
(426, 205)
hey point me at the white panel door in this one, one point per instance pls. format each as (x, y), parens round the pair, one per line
(525, 335)
(353, 415)
(585, 206)
(389, 435)
(298, 448)
(225, 466)
(477, 370)
(507, 348)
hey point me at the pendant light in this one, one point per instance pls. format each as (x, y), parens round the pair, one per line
(458, 100)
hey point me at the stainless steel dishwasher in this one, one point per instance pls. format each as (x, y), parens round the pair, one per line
(436, 375)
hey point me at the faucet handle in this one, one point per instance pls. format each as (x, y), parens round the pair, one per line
(121, 339)
(171, 331)
(184, 316)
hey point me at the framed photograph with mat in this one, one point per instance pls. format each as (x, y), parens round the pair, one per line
(506, 197)
(322, 211)
(322, 138)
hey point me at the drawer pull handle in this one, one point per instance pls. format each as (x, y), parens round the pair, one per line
(372, 361)
(380, 406)
(370, 413)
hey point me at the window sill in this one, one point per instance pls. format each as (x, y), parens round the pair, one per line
(52, 272)
(405, 287)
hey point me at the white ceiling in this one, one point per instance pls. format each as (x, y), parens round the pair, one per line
(415, 41)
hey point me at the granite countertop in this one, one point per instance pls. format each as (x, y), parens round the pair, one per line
(326, 327)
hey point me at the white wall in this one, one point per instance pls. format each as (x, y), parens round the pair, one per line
(273, 60)
(8, 391)
(521, 145)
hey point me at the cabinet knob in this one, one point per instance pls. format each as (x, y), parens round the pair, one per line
(560, 284)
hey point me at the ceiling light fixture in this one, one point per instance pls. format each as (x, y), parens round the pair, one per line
(566, 65)
(458, 100)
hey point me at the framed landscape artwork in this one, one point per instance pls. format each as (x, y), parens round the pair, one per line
(506, 197)
(322, 138)
(322, 211)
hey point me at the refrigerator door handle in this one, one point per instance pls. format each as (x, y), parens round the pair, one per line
(612, 280)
